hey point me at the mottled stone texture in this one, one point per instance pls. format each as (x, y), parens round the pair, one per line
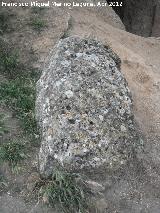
(84, 108)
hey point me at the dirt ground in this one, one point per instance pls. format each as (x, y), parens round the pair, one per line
(135, 187)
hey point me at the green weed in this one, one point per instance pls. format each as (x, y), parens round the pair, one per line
(37, 24)
(20, 95)
(65, 190)
(12, 152)
(8, 60)
(5, 21)
(11, 66)
(3, 128)
(3, 183)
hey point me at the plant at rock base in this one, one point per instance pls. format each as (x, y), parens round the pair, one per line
(12, 152)
(65, 190)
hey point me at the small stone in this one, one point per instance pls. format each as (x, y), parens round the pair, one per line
(85, 150)
(101, 117)
(101, 205)
(45, 198)
(94, 186)
(123, 128)
(69, 94)
(55, 156)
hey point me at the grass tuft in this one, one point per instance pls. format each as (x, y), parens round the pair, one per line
(37, 24)
(5, 17)
(12, 152)
(10, 65)
(8, 61)
(3, 183)
(19, 94)
(3, 128)
(65, 190)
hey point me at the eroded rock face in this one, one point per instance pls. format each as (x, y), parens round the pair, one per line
(140, 17)
(84, 108)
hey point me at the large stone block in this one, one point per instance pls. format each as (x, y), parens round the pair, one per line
(84, 108)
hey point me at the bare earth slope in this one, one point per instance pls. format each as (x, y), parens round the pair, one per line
(140, 65)
(134, 188)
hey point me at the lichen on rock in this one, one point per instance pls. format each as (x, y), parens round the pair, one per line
(84, 108)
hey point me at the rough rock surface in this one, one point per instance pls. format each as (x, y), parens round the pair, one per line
(140, 16)
(84, 108)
